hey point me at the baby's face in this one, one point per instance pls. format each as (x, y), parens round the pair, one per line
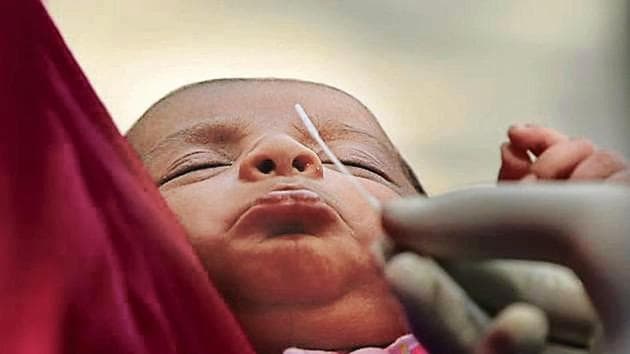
(271, 219)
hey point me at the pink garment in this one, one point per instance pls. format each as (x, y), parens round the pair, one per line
(404, 345)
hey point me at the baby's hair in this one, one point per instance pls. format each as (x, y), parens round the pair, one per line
(406, 169)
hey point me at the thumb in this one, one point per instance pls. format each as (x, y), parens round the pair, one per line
(518, 329)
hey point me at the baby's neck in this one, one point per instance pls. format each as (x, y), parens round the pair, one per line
(368, 316)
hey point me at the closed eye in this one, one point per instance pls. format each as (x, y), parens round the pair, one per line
(187, 168)
(365, 167)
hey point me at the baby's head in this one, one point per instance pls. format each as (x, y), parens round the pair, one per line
(283, 235)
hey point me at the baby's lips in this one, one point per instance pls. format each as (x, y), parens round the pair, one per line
(303, 195)
(287, 212)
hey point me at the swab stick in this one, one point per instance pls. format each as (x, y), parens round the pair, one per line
(310, 128)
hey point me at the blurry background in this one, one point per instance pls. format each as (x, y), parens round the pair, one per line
(446, 78)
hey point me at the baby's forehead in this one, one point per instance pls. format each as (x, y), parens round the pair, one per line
(254, 105)
(223, 111)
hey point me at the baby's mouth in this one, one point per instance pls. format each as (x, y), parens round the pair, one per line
(287, 196)
(287, 213)
(288, 229)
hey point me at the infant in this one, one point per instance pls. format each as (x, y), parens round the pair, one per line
(283, 235)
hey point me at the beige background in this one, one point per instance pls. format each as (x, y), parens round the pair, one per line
(446, 78)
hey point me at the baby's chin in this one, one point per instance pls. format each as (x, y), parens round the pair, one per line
(292, 268)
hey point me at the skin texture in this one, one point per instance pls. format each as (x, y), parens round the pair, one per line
(297, 273)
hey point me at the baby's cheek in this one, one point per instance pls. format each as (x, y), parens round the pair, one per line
(178, 206)
(366, 219)
(381, 192)
(193, 211)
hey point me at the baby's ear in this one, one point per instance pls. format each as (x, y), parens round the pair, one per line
(515, 163)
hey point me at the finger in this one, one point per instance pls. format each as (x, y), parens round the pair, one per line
(507, 221)
(495, 284)
(515, 163)
(560, 160)
(621, 177)
(601, 164)
(518, 329)
(534, 138)
(440, 314)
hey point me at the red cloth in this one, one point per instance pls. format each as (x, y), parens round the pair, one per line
(91, 259)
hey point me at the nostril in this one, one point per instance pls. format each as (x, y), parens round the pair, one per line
(301, 164)
(266, 166)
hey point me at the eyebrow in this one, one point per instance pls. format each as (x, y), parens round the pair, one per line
(210, 131)
(222, 130)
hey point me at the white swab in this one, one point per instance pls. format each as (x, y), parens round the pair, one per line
(310, 128)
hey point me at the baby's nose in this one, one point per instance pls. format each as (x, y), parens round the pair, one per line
(279, 155)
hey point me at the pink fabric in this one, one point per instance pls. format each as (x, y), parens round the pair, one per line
(91, 259)
(403, 345)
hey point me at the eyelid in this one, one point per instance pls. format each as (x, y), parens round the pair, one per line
(185, 164)
(192, 167)
(366, 166)
(363, 158)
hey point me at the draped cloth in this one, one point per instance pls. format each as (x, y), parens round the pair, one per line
(91, 259)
